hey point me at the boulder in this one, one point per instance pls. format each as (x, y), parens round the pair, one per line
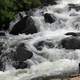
(74, 6)
(22, 53)
(49, 18)
(1, 66)
(79, 68)
(15, 58)
(20, 65)
(73, 33)
(71, 43)
(39, 46)
(2, 33)
(25, 25)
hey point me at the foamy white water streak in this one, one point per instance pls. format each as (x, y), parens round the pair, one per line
(49, 61)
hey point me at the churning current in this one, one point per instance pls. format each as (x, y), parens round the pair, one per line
(55, 48)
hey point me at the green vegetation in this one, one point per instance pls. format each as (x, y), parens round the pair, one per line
(6, 11)
(9, 8)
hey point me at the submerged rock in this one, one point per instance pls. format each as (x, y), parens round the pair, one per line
(71, 43)
(39, 46)
(49, 18)
(25, 25)
(20, 65)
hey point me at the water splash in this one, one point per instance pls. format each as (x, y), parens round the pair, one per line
(54, 61)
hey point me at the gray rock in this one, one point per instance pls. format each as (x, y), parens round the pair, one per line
(73, 34)
(39, 46)
(22, 53)
(49, 18)
(25, 25)
(71, 43)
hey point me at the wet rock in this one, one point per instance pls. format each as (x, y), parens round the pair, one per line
(49, 18)
(74, 6)
(71, 43)
(79, 68)
(49, 44)
(22, 53)
(2, 33)
(47, 2)
(1, 66)
(1, 47)
(73, 34)
(16, 58)
(25, 25)
(20, 65)
(39, 46)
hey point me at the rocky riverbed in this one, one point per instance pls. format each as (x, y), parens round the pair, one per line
(43, 46)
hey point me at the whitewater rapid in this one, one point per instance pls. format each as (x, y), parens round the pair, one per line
(49, 61)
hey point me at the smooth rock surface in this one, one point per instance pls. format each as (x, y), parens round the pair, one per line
(49, 18)
(22, 53)
(25, 25)
(71, 43)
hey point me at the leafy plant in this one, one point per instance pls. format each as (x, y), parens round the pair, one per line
(9, 8)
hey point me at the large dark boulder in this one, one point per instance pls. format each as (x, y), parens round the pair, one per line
(22, 53)
(71, 43)
(39, 46)
(25, 25)
(74, 6)
(73, 34)
(49, 18)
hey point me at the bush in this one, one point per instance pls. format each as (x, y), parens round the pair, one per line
(6, 11)
(9, 8)
(26, 4)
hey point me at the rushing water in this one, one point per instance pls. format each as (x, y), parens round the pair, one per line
(49, 61)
